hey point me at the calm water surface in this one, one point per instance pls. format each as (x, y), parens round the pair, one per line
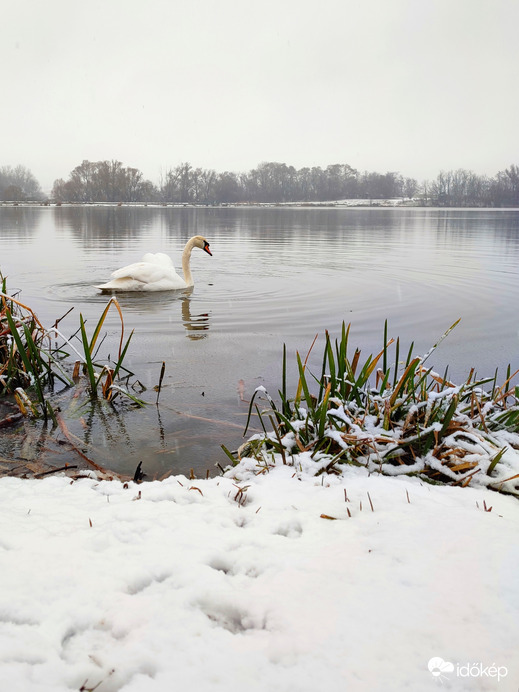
(276, 275)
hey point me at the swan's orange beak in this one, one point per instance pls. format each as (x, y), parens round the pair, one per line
(206, 248)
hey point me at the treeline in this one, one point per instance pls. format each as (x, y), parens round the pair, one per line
(270, 182)
(463, 188)
(18, 184)
(110, 181)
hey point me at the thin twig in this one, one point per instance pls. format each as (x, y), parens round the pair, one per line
(61, 468)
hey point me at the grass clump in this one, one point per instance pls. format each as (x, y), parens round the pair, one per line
(34, 360)
(393, 419)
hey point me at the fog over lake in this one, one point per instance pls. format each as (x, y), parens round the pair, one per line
(277, 275)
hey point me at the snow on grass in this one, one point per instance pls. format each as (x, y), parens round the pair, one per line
(279, 581)
(411, 422)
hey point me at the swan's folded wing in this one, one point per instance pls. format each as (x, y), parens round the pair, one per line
(145, 272)
(159, 258)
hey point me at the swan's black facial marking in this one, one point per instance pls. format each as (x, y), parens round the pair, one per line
(206, 248)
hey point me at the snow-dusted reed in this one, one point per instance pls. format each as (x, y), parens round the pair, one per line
(413, 423)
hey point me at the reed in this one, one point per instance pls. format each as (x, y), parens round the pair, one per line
(390, 417)
(102, 375)
(29, 363)
(33, 358)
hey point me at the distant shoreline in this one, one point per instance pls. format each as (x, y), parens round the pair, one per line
(340, 204)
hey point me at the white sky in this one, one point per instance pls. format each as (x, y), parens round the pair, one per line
(413, 86)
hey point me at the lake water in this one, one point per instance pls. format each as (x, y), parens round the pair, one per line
(277, 275)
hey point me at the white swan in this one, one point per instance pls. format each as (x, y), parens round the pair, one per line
(156, 271)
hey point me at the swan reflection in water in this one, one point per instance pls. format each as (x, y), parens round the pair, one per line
(196, 325)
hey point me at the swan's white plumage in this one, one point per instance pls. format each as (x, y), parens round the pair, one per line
(156, 271)
(158, 258)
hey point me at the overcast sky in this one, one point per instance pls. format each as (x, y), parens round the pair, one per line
(413, 86)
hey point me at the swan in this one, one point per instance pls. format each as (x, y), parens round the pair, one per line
(156, 271)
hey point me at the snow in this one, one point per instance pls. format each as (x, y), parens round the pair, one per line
(253, 581)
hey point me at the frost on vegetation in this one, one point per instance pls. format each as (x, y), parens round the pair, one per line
(414, 423)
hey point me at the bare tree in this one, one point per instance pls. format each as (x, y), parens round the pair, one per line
(20, 182)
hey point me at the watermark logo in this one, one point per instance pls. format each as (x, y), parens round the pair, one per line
(441, 669)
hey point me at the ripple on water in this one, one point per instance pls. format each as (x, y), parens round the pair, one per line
(71, 292)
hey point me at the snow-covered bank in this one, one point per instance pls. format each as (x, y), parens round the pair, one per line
(219, 585)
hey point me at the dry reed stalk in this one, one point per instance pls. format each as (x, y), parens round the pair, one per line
(70, 437)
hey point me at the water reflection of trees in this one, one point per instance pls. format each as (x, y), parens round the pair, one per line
(283, 227)
(463, 227)
(20, 221)
(89, 225)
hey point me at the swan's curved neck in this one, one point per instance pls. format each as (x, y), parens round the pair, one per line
(186, 257)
